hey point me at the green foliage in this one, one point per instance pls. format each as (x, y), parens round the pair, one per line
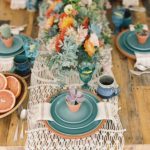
(5, 31)
(70, 1)
(106, 38)
(68, 59)
(139, 28)
(95, 29)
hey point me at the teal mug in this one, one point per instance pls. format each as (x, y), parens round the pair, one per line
(106, 87)
(22, 65)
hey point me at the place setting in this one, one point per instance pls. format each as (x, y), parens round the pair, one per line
(135, 44)
(76, 113)
(13, 43)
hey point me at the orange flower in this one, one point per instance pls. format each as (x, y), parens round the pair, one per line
(85, 23)
(66, 22)
(60, 38)
(62, 15)
(89, 48)
(50, 22)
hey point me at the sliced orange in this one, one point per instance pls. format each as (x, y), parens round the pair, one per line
(3, 82)
(14, 85)
(7, 100)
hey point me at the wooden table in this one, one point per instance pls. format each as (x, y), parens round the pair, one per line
(8, 124)
(134, 97)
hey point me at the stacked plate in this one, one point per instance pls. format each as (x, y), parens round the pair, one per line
(128, 44)
(17, 48)
(74, 124)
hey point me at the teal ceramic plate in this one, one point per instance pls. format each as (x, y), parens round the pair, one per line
(121, 46)
(18, 43)
(133, 43)
(73, 120)
(72, 133)
(13, 54)
(131, 48)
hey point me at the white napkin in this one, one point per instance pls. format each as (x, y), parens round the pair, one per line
(142, 59)
(130, 3)
(41, 111)
(18, 4)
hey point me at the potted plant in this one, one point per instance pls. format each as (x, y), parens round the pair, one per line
(74, 99)
(141, 33)
(6, 35)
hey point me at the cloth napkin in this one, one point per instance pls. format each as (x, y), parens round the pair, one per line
(142, 59)
(130, 3)
(18, 4)
(41, 111)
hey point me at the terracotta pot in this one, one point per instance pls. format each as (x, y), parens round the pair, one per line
(8, 42)
(142, 38)
(73, 108)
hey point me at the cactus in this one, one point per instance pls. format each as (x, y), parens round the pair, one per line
(5, 31)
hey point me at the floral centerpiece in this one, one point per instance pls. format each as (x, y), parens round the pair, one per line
(74, 99)
(75, 31)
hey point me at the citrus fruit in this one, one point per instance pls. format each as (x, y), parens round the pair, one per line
(7, 100)
(14, 85)
(3, 82)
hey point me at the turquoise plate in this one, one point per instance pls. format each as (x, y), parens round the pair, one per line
(131, 48)
(18, 43)
(13, 54)
(133, 43)
(67, 119)
(121, 46)
(84, 131)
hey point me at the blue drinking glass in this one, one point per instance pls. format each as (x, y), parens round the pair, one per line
(86, 70)
(32, 5)
(22, 65)
(117, 19)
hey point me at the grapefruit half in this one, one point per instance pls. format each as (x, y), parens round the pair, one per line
(7, 101)
(3, 82)
(13, 85)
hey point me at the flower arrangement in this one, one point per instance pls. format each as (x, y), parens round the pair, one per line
(74, 32)
(6, 35)
(74, 99)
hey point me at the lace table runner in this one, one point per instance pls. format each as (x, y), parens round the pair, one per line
(45, 84)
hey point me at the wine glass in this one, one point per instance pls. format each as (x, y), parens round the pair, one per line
(86, 70)
(117, 18)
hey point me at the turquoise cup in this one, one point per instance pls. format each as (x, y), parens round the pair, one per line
(22, 65)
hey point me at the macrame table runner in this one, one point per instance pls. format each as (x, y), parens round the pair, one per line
(45, 84)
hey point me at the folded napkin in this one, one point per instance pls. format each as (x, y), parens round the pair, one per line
(142, 59)
(130, 3)
(18, 4)
(41, 111)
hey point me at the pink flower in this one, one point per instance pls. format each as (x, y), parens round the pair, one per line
(94, 39)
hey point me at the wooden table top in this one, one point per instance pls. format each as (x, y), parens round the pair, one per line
(134, 98)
